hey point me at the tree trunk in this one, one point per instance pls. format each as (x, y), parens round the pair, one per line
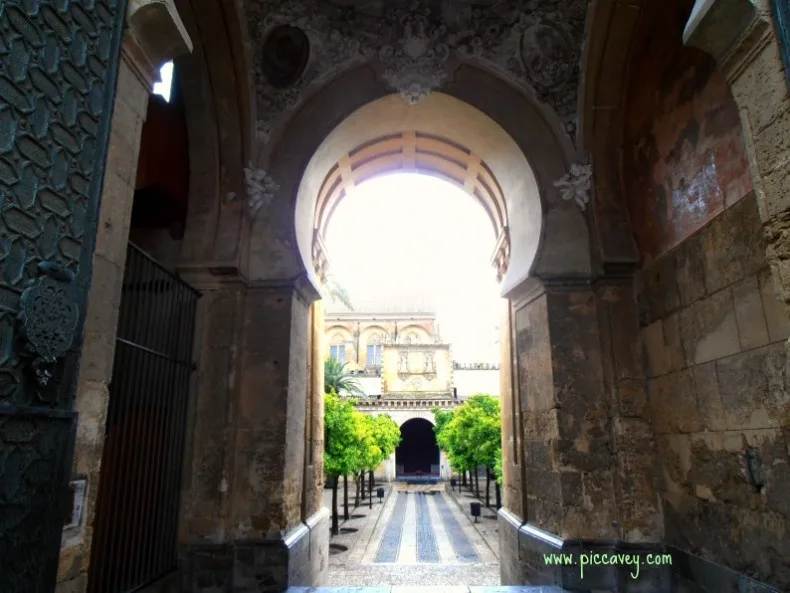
(335, 527)
(370, 497)
(488, 487)
(345, 498)
(477, 482)
(356, 491)
(463, 478)
(498, 496)
(362, 486)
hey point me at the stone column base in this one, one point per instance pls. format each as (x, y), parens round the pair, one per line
(525, 552)
(301, 558)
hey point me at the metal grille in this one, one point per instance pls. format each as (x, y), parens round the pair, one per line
(135, 533)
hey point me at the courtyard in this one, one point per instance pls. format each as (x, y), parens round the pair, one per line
(418, 536)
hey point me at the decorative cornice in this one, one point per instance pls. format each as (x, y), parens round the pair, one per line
(732, 31)
(300, 285)
(407, 404)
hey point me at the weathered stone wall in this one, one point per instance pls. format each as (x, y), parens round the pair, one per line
(714, 336)
(712, 328)
(683, 155)
(567, 453)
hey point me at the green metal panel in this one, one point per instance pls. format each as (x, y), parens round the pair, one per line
(782, 20)
(58, 69)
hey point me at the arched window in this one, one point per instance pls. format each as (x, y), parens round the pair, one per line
(374, 350)
(337, 349)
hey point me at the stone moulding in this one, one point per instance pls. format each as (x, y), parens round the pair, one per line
(731, 31)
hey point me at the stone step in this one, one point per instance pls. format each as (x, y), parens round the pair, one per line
(432, 589)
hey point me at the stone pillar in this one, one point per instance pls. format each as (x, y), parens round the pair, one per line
(637, 502)
(141, 57)
(575, 452)
(248, 530)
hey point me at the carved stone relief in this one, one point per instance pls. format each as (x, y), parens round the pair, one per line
(576, 185)
(536, 44)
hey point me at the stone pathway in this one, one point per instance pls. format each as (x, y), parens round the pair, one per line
(417, 537)
(487, 524)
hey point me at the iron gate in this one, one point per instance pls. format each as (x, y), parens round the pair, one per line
(135, 530)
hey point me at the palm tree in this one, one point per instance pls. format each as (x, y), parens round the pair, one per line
(339, 379)
(335, 291)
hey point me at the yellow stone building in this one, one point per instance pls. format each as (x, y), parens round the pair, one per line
(394, 346)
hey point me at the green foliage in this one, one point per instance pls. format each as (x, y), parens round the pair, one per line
(340, 435)
(471, 435)
(388, 436)
(355, 442)
(338, 379)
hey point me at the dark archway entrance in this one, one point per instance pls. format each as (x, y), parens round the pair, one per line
(418, 453)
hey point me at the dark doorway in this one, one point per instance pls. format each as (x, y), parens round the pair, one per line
(418, 452)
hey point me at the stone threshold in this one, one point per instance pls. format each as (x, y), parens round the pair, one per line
(434, 589)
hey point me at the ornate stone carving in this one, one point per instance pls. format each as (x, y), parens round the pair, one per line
(416, 62)
(576, 184)
(259, 188)
(547, 55)
(285, 54)
(535, 44)
(48, 316)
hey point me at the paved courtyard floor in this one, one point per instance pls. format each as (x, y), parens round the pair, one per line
(417, 536)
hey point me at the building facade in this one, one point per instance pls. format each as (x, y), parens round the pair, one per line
(161, 405)
(394, 347)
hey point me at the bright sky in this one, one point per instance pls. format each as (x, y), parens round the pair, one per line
(422, 231)
(163, 88)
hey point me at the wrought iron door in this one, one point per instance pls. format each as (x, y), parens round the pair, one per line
(58, 71)
(135, 530)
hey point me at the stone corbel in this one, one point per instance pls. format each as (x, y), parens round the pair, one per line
(501, 257)
(732, 31)
(156, 35)
(320, 257)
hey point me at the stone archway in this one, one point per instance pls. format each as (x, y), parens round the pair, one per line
(418, 452)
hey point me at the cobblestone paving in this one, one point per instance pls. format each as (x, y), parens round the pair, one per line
(427, 550)
(461, 544)
(361, 575)
(404, 542)
(390, 542)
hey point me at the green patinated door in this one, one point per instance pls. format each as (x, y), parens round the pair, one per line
(58, 68)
